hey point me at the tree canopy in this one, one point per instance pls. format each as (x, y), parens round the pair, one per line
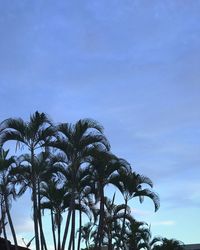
(67, 167)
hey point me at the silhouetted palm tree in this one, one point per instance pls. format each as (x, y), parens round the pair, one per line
(74, 141)
(131, 185)
(45, 169)
(6, 188)
(136, 235)
(34, 134)
(57, 199)
(3, 223)
(86, 233)
(84, 197)
(168, 244)
(104, 167)
(68, 168)
(112, 219)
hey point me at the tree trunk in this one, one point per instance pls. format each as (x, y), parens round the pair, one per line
(42, 238)
(123, 225)
(71, 211)
(11, 223)
(59, 227)
(3, 226)
(53, 231)
(72, 236)
(73, 226)
(5, 237)
(101, 221)
(80, 225)
(66, 228)
(110, 236)
(35, 207)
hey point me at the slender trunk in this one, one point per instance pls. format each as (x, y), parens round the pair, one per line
(73, 226)
(39, 216)
(44, 241)
(110, 243)
(101, 221)
(42, 238)
(5, 237)
(123, 225)
(111, 227)
(53, 230)
(80, 225)
(71, 242)
(35, 208)
(35, 217)
(71, 210)
(4, 228)
(110, 237)
(11, 223)
(66, 228)
(59, 225)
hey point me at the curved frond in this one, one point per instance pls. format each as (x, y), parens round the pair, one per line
(153, 196)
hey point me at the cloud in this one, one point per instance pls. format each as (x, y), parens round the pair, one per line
(143, 212)
(163, 223)
(184, 194)
(21, 237)
(25, 226)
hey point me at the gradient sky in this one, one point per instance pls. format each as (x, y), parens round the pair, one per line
(133, 65)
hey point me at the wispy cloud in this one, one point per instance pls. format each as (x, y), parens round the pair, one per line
(163, 223)
(142, 212)
(25, 226)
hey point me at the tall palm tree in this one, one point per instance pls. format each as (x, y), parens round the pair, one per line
(74, 141)
(82, 195)
(57, 200)
(84, 198)
(3, 224)
(33, 134)
(104, 167)
(131, 185)
(113, 216)
(6, 188)
(46, 168)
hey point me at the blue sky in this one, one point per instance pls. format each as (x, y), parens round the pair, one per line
(133, 65)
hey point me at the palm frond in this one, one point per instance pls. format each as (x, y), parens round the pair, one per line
(153, 196)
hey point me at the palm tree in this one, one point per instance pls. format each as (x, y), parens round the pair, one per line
(55, 185)
(3, 223)
(45, 169)
(86, 233)
(74, 141)
(84, 198)
(57, 200)
(168, 244)
(74, 180)
(113, 216)
(104, 167)
(136, 235)
(82, 193)
(34, 134)
(6, 188)
(131, 185)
